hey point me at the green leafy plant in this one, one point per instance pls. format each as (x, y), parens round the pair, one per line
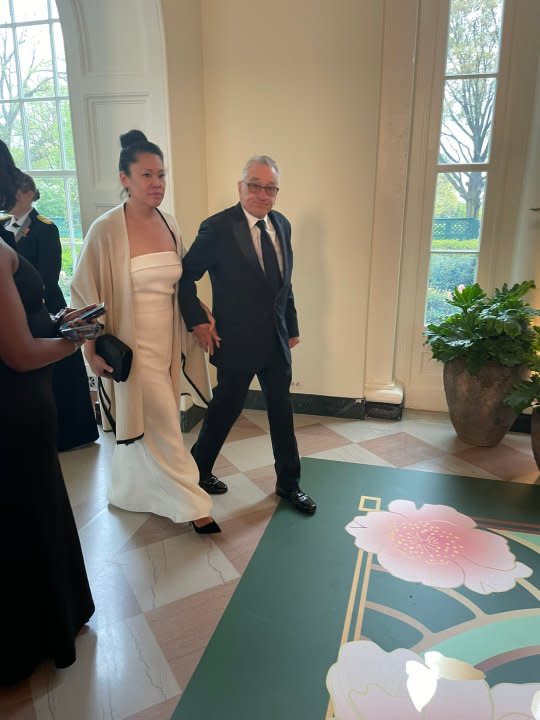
(527, 392)
(486, 328)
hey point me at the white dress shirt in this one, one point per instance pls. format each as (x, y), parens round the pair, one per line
(15, 229)
(256, 236)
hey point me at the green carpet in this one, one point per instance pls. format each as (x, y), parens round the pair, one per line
(283, 627)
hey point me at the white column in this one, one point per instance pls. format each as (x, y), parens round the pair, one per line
(395, 113)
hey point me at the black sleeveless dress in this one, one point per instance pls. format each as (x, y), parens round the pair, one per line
(45, 597)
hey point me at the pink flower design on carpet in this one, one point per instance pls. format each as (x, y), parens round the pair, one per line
(367, 683)
(437, 546)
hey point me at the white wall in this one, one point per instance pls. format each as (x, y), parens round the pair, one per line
(328, 89)
(300, 81)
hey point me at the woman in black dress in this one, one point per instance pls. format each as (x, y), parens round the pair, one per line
(45, 599)
(36, 238)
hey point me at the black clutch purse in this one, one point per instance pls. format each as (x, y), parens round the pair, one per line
(116, 354)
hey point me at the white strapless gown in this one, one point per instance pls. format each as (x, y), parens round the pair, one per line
(157, 473)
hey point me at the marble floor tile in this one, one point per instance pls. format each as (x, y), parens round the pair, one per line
(106, 534)
(155, 529)
(316, 438)
(162, 711)
(23, 710)
(265, 479)
(113, 597)
(117, 674)
(441, 436)
(529, 478)
(163, 572)
(401, 449)
(502, 461)
(16, 702)
(243, 497)
(518, 441)
(240, 535)
(351, 453)
(451, 465)
(243, 428)
(223, 467)
(358, 430)
(249, 454)
(184, 627)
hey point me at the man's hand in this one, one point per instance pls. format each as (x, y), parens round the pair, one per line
(207, 336)
(293, 342)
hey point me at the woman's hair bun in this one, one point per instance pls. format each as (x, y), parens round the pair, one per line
(133, 137)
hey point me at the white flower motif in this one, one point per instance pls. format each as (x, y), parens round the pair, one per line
(367, 683)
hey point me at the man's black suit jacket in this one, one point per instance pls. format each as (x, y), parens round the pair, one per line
(248, 315)
(40, 245)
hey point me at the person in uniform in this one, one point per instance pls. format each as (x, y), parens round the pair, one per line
(36, 238)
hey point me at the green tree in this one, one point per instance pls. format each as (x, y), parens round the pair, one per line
(473, 49)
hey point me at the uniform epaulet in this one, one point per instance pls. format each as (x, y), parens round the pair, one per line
(3, 217)
(44, 219)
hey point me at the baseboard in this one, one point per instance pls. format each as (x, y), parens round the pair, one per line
(314, 405)
(384, 411)
(339, 407)
(189, 418)
(522, 424)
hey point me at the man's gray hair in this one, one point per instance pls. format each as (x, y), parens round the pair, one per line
(259, 160)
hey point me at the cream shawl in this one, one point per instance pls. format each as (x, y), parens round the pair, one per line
(103, 275)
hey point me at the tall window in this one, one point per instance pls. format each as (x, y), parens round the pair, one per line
(35, 119)
(472, 66)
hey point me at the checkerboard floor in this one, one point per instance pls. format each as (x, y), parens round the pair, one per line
(160, 589)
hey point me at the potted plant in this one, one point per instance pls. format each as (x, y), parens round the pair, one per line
(526, 394)
(487, 346)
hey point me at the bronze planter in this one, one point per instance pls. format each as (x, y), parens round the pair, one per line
(476, 402)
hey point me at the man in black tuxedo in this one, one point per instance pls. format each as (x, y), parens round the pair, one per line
(247, 252)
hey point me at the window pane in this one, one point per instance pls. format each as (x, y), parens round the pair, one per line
(459, 204)
(474, 33)
(34, 45)
(73, 194)
(11, 130)
(28, 10)
(467, 120)
(5, 15)
(52, 204)
(67, 134)
(43, 135)
(8, 76)
(445, 273)
(54, 9)
(60, 57)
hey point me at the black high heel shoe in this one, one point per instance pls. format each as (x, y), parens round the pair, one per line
(208, 529)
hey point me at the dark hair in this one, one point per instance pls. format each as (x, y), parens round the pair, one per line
(133, 144)
(9, 175)
(25, 183)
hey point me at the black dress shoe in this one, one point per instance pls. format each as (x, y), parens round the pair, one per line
(212, 485)
(208, 529)
(299, 499)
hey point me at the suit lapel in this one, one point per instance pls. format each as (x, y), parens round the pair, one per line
(281, 237)
(244, 240)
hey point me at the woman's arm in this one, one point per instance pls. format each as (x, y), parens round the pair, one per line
(18, 349)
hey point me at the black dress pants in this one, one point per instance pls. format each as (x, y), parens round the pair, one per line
(227, 403)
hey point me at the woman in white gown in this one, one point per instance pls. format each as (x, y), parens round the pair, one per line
(131, 260)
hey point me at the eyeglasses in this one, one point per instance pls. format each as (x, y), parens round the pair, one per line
(257, 189)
